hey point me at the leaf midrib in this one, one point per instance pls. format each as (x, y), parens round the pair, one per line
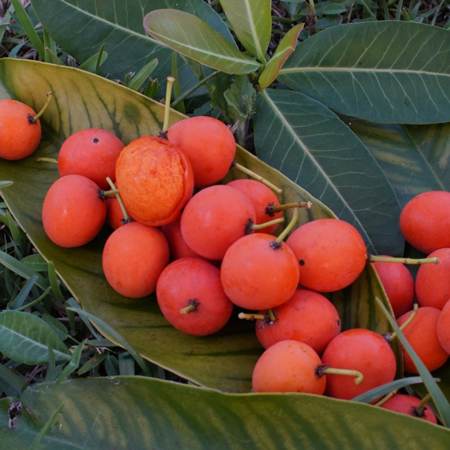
(362, 70)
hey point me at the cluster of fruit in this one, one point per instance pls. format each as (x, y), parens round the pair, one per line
(206, 247)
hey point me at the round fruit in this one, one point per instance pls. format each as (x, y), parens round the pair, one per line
(208, 143)
(425, 221)
(288, 366)
(73, 212)
(20, 133)
(307, 317)
(407, 404)
(155, 180)
(421, 333)
(191, 297)
(134, 256)
(443, 328)
(331, 254)
(362, 350)
(93, 153)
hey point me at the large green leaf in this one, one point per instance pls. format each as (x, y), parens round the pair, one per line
(415, 158)
(314, 148)
(224, 360)
(138, 413)
(194, 38)
(391, 72)
(252, 23)
(82, 26)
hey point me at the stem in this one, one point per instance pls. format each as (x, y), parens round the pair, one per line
(49, 99)
(390, 259)
(421, 405)
(44, 159)
(407, 322)
(288, 229)
(250, 316)
(386, 398)
(271, 315)
(271, 209)
(126, 218)
(351, 373)
(110, 192)
(257, 177)
(260, 226)
(170, 81)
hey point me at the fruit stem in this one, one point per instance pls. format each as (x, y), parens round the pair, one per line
(322, 370)
(271, 315)
(271, 209)
(257, 177)
(260, 226)
(288, 229)
(44, 159)
(386, 398)
(421, 405)
(110, 192)
(389, 259)
(126, 218)
(250, 316)
(406, 323)
(49, 99)
(170, 81)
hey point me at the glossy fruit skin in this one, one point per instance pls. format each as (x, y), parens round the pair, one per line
(257, 276)
(307, 317)
(362, 350)
(398, 284)
(73, 212)
(261, 197)
(114, 213)
(155, 180)
(288, 366)
(133, 258)
(193, 281)
(215, 218)
(20, 135)
(425, 221)
(407, 404)
(93, 153)
(421, 333)
(443, 327)
(208, 143)
(331, 254)
(433, 280)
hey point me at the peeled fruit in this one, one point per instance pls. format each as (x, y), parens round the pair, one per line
(155, 180)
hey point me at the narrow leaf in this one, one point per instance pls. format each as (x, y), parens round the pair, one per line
(15, 382)
(45, 429)
(143, 75)
(94, 62)
(252, 23)
(192, 37)
(73, 363)
(26, 338)
(282, 53)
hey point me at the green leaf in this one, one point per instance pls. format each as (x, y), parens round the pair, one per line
(314, 148)
(118, 25)
(93, 63)
(45, 429)
(387, 71)
(252, 23)
(140, 413)
(192, 37)
(143, 75)
(415, 159)
(223, 361)
(25, 338)
(284, 50)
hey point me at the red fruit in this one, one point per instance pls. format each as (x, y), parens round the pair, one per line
(407, 404)
(331, 254)
(73, 212)
(425, 221)
(155, 180)
(208, 143)
(259, 273)
(114, 213)
(307, 317)
(92, 153)
(215, 218)
(362, 350)
(288, 366)
(433, 281)
(262, 198)
(443, 328)
(398, 284)
(20, 133)
(421, 333)
(134, 256)
(191, 297)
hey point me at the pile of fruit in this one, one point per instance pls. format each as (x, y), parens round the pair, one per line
(208, 248)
